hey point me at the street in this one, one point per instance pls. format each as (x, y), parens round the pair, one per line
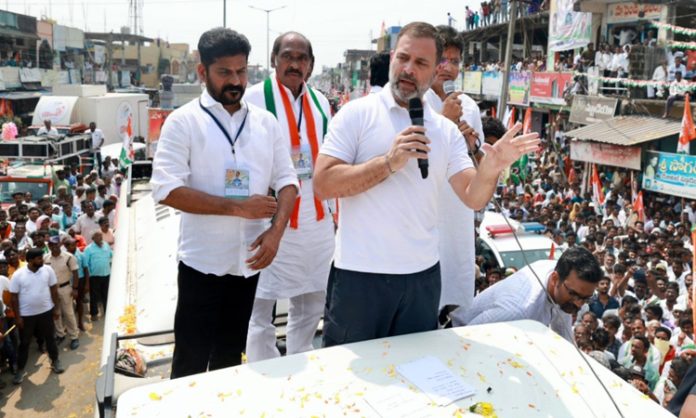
(44, 394)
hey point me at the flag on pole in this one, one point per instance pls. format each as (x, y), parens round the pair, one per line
(639, 207)
(127, 153)
(510, 117)
(688, 131)
(597, 193)
(552, 253)
(527, 125)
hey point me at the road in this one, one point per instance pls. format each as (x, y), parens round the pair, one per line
(44, 394)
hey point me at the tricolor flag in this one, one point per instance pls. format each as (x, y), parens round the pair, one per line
(597, 193)
(127, 153)
(688, 131)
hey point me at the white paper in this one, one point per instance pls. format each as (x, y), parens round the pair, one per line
(398, 402)
(438, 382)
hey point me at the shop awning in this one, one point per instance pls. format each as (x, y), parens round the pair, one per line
(627, 130)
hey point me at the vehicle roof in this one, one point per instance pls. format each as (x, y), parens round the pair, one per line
(506, 242)
(30, 171)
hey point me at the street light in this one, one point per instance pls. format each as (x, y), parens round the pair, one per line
(268, 35)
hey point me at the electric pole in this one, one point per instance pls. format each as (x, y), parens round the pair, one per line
(502, 100)
(224, 13)
(268, 35)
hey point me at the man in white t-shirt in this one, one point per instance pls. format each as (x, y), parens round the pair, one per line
(34, 293)
(386, 276)
(47, 129)
(96, 144)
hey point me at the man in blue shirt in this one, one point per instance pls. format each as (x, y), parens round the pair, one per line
(601, 301)
(98, 258)
(82, 276)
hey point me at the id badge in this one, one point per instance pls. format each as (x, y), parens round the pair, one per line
(302, 160)
(236, 183)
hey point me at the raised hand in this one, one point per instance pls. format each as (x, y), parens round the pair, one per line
(509, 149)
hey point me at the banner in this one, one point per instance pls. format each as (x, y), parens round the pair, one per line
(673, 174)
(518, 90)
(587, 110)
(606, 154)
(491, 84)
(472, 82)
(633, 12)
(549, 87)
(568, 29)
(157, 118)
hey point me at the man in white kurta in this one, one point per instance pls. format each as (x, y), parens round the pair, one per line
(300, 270)
(551, 296)
(455, 219)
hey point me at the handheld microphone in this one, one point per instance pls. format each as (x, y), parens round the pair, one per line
(415, 112)
(448, 87)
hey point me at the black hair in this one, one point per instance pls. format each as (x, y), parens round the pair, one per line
(108, 202)
(600, 337)
(582, 262)
(665, 330)
(672, 285)
(450, 37)
(612, 321)
(493, 127)
(222, 42)
(103, 219)
(32, 253)
(680, 367)
(638, 319)
(279, 41)
(379, 69)
(685, 321)
(423, 30)
(656, 310)
(644, 340)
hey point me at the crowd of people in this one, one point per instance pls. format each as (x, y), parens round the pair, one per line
(498, 11)
(55, 263)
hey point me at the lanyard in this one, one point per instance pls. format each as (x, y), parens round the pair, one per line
(222, 128)
(299, 120)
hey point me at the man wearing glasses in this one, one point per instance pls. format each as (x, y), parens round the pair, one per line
(567, 284)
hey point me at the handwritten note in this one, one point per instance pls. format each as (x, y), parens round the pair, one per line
(438, 382)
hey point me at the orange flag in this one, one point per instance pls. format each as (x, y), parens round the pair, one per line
(552, 253)
(688, 131)
(527, 126)
(639, 207)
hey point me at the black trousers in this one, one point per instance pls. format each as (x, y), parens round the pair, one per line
(211, 320)
(365, 306)
(98, 292)
(42, 325)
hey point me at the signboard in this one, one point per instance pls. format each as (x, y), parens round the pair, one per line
(669, 173)
(29, 75)
(549, 87)
(632, 12)
(606, 154)
(518, 91)
(491, 83)
(472, 82)
(587, 110)
(157, 118)
(568, 29)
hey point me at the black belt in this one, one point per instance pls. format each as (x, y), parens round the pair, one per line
(64, 284)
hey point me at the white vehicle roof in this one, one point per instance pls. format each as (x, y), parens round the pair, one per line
(521, 368)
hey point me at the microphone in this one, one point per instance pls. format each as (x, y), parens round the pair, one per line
(449, 87)
(415, 112)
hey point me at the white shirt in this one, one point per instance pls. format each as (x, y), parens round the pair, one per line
(678, 87)
(392, 227)
(97, 139)
(303, 260)
(86, 226)
(375, 89)
(4, 285)
(100, 214)
(30, 225)
(660, 74)
(33, 290)
(456, 223)
(674, 68)
(519, 296)
(43, 131)
(193, 152)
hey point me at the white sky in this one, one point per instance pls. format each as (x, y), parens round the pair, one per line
(332, 25)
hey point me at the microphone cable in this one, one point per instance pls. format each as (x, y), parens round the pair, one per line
(526, 262)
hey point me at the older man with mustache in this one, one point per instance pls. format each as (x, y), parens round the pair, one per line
(386, 276)
(301, 269)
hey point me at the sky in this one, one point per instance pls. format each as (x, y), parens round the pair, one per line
(331, 25)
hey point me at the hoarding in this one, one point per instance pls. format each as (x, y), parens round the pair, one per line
(606, 154)
(673, 174)
(518, 90)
